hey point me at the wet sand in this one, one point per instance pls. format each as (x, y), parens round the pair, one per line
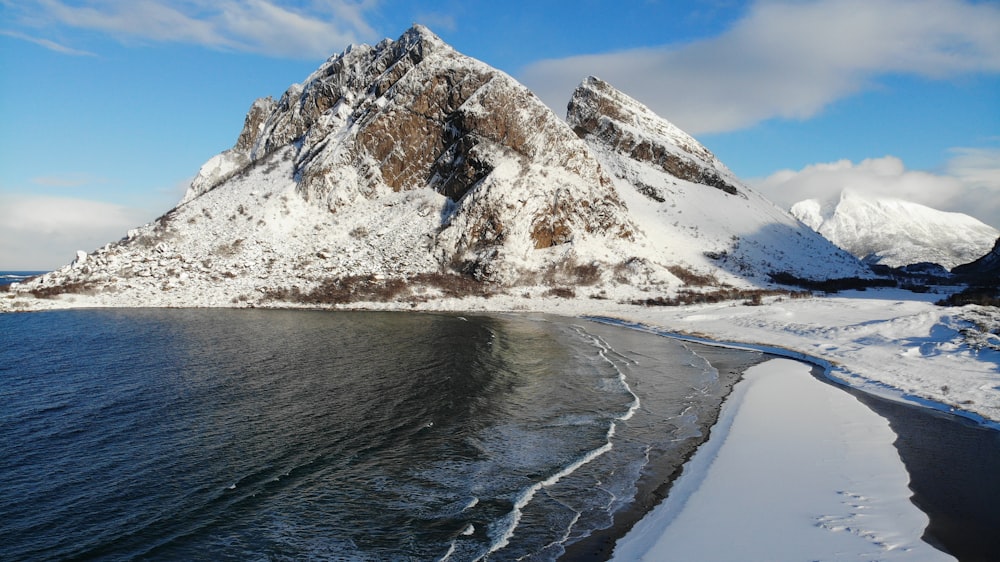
(665, 467)
(952, 464)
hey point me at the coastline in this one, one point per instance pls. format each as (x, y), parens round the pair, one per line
(889, 344)
(945, 527)
(661, 472)
(798, 469)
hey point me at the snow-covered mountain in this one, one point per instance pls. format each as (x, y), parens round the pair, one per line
(894, 232)
(689, 205)
(984, 269)
(406, 170)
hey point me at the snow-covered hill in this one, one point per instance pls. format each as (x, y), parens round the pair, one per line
(984, 269)
(406, 170)
(894, 232)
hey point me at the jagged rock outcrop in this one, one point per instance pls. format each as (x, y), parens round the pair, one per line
(630, 128)
(413, 114)
(406, 170)
(896, 233)
(691, 205)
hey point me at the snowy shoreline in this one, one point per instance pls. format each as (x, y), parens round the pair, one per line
(794, 469)
(882, 522)
(826, 369)
(888, 343)
(891, 343)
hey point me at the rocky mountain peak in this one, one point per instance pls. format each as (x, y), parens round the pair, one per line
(408, 171)
(414, 114)
(597, 110)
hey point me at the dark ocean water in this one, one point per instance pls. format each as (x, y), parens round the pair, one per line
(289, 435)
(8, 277)
(954, 467)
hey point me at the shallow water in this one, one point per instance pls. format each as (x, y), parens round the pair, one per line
(166, 434)
(954, 467)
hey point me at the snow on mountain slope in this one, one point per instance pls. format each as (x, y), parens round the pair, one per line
(408, 171)
(986, 268)
(414, 114)
(690, 206)
(894, 232)
(394, 161)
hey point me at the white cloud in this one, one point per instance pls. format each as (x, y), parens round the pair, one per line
(312, 29)
(45, 232)
(788, 59)
(976, 166)
(970, 184)
(50, 45)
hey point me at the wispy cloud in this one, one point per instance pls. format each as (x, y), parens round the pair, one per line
(789, 59)
(294, 29)
(50, 45)
(970, 183)
(976, 166)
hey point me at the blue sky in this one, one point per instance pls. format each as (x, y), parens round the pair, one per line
(109, 107)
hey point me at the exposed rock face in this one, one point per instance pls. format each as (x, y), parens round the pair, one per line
(630, 128)
(406, 167)
(688, 203)
(414, 114)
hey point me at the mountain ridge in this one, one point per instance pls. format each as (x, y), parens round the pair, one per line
(409, 166)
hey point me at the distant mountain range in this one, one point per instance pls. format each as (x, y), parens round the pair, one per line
(406, 170)
(896, 233)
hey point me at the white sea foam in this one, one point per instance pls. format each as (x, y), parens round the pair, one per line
(508, 525)
(447, 555)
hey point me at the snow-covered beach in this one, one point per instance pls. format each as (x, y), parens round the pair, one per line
(826, 482)
(794, 470)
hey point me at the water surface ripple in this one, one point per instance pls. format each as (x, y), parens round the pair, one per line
(170, 434)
